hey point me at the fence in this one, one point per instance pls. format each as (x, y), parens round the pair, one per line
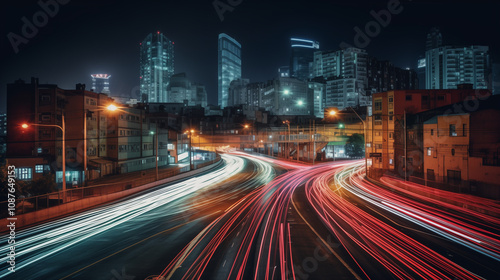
(35, 203)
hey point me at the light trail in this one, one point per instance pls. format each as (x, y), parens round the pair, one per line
(361, 233)
(40, 242)
(441, 222)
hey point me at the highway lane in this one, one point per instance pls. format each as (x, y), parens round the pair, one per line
(459, 245)
(135, 236)
(312, 222)
(257, 238)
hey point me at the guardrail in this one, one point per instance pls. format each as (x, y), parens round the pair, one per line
(35, 203)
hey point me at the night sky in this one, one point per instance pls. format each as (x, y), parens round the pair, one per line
(87, 37)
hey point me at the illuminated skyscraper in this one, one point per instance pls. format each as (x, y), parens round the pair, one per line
(157, 66)
(302, 58)
(434, 39)
(229, 68)
(100, 83)
(449, 66)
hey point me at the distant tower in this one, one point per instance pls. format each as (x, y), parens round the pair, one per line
(434, 39)
(100, 83)
(229, 66)
(157, 66)
(302, 58)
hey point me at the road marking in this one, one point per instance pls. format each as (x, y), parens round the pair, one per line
(224, 264)
(326, 244)
(128, 247)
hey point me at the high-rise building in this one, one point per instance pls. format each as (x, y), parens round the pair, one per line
(287, 97)
(157, 66)
(384, 76)
(302, 58)
(284, 71)
(434, 39)
(181, 90)
(318, 87)
(495, 78)
(237, 92)
(229, 66)
(346, 74)
(100, 83)
(421, 65)
(449, 66)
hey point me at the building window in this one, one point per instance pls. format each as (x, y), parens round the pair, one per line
(39, 168)
(432, 131)
(440, 97)
(44, 99)
(429, 151)
(452, 152)
(453, 130)
(408, 98)
(464, 127)
(391, 135)
(391, 99)
(24, 173)
(378, 105)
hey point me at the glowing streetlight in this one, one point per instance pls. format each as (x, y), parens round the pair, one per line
(112, 107)
(332, 113)
(62, 127)
(300, 102)
(286, 91)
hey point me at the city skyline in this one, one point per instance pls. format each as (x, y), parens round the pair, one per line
(292, 139)
(396, 43)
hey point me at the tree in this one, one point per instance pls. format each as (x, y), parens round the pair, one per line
(45, 184)
(354, 147)
(19, 186)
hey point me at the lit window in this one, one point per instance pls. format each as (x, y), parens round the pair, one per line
(453, 130)
(24, 173)
(429, 151)
(39, 168)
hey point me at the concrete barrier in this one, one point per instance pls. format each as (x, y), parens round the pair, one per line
(36, 217)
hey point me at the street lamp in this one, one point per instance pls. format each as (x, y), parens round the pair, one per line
(112, 107)
(331, 113)
(156, 150)
(63, 130)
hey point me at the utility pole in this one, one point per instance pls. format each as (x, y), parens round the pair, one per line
(314, 140)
